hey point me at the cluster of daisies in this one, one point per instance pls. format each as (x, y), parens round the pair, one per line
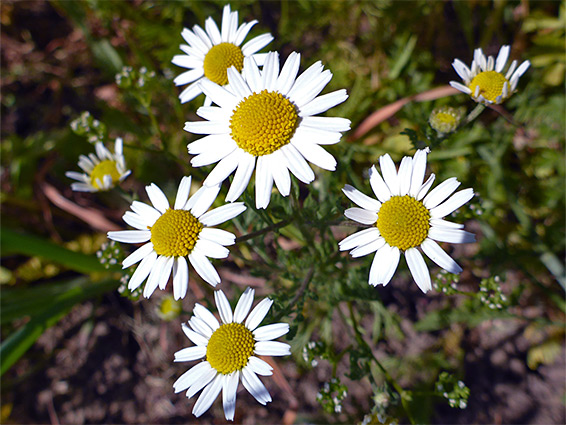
(263, 115)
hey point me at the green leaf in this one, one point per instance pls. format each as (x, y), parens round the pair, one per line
(57, 307)
(12, 242)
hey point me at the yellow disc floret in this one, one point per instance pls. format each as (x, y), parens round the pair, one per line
(219, 58)
(263, 122)
(490, 84)
(403, 222)
(104, 168)
(175, 233)
(230, 347)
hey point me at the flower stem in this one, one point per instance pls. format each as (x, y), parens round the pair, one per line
(265, 230)
(480, 107)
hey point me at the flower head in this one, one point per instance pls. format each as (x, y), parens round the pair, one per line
(173, 234)
(445, 119)
(102, 171)
(485, 81)
(403, 218)
(230, 351)
(210, 53)
(268, 118)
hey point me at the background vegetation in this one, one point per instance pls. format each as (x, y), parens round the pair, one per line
(74, 350)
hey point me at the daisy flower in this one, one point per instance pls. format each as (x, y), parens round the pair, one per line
(230, 351)
(268, 118)
(485, 82)
(210, 53)
(102, 171)
(404, 217)
(173, 234)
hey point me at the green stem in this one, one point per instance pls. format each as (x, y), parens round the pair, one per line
(265, 230)
(480, 107)
(390, 380)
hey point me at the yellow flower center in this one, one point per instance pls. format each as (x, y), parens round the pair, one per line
(403, 222)
(230, 347)
(263, 122)
(175, 233)
(490, 84)
(219, 59)
(104, 168)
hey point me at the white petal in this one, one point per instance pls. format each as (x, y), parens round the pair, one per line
(130, 236)
(242, 177)
(378, 185)
(206, 316)
(360, 238)
(316, 155)
(208, 396)
(452, 204)
(204, 268)
(195, 337)
(77, 176)
(364, 250)
(511, 69)
(439, 256)
(259, 366)
(137, 255)
(288, 73)
(256, 44)
(237, 83)
(222, 214)
(190, 353)
(258, 314)
(229, 389)
(280, 172)
(517, 74)
(214, 155)
(188, 76)
(441, 192)
(405, 175)
(441, 234)
(361, 216)
(224, 168)
(269, 332)
(155, 276)
(200, 33)
(142, 271)
(462, 70)
(202, 381)
(212, 31)
(439, 222)
(212, 249)
(198, 325)
(224, 308)
(254, 386)
(425, 187)
(180, 278)
(194, 40)
(502, 58)
(419, 168)
(301, 97)
(323, 103)
(135, 220)
(461, 87)
(243, 32)
(149, 214)
(225, 26)
(219, 236)
(297, 164)
(270, 71)
(166, 272)
(219, 95)
(190, 92)
(263, 183)
(183, 193)
(252, 75)
(201, 200)
(327, 123)
(313, 135)
(361, 199)
(272, 348)
(192, 375)
(244, 305)
(418, 269)
(389, 173)
(157, 198)
(384, 265)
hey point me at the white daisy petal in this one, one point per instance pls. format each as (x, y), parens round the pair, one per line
(439, 222)
(208, 396)
(259, 366)
(224, 168)
(316, 155)
(441, 192)
(188, 77)
(327, 123)
(425, 187)
(241, 177)
(389, 173)
(190, 92)
(244, 305)
(311, 135)
(160, 270)
(255, 387)
(280, 172)
(219, 236)
(405, 175)
(460, 87)
(502, 58)
(219, 95)
(384, 265)
(212, 249)
(198, 325)
(323, 103)
(190, 353)
(364, 250)
(258, 314)
(182, 193)
(157, 198)
(134, 220)
(270, 71)
(252, 74)
(297, 164)
(212, 31)
(180, 278)
(201, 200)
(256, 44)
(195, 337)
(418, 269)
(452, 204)
(229, 389)
(439, 256)
(138, 255)
(269, 332)
(222, 214)
(361, 199)
(243, 32)
(378, 185)
(149, 213)
(223, 305)
(451, 235)
(288, 73)
(204, 268)
(361, 216)
(272, 348)
(462, 70)
(187, 378)
(77, 176)
(211, 156)
(130, 236)
(263, 183)
(143, 270)
(360, 238)
(201, 382)
(237, 83)
(419, 168)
